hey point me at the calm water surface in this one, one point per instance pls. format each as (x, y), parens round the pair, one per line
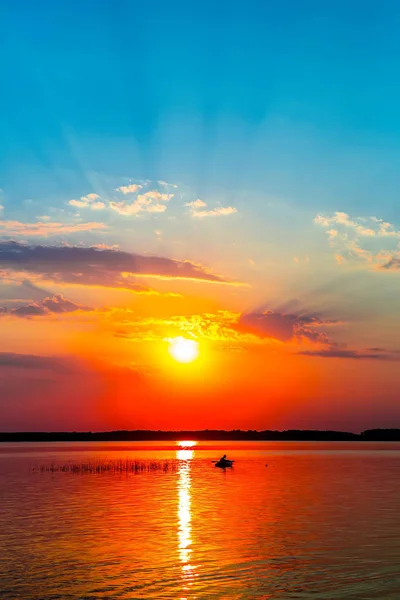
(321, 521)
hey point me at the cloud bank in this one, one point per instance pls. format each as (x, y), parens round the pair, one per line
(93, 266)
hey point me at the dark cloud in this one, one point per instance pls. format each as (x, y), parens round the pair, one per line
(285, 327)
(32, 361)
(393, 264)
(277, 326)
(335, 353)
(31, 310)
(95, 266)
(56, 304)
(59, 304)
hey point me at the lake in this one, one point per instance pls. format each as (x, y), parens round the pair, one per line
(322, 520)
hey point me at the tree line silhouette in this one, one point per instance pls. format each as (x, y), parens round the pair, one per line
(370, 435)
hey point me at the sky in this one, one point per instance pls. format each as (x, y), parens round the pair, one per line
(226, 173)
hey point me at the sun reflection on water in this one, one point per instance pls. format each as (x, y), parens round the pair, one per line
(185, 455)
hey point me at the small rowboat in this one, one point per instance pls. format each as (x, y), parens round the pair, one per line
(222, 464)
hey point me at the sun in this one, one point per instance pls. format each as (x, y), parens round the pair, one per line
(183, 350)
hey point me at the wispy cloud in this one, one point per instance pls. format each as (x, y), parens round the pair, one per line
(351, 354)
(298, 260)
(216, 212)
(89, 201)
(199, 209)
(357, 224)
(32, 361)
(128, 189)
(340, 259)
(357, 238)
(152, 201)
(47, 228)
(166, 184)
(147, 198)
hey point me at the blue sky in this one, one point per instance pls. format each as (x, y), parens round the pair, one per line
(281, 110)
(298, 99)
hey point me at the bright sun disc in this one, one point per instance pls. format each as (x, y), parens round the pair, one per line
(183, 350)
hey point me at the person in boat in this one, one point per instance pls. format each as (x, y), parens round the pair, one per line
(223, 460)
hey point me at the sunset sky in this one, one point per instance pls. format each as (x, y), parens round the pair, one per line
(224, 172)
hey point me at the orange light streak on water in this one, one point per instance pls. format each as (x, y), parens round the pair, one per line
(185, 513)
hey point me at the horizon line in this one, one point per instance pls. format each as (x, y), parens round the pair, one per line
(206, 432)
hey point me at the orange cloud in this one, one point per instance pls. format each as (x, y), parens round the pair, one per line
(231, 328)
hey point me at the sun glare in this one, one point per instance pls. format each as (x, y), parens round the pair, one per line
(183, 350)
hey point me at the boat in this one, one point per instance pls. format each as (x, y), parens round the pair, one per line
(224, 463)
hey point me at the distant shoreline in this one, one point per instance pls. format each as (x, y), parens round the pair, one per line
(290, 435)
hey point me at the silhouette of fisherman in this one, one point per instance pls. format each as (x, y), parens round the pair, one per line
(223, 460)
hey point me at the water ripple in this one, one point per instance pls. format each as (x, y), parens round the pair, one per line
(314, 524)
